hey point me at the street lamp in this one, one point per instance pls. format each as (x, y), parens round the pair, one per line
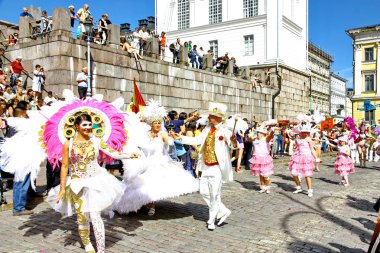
(88, 26)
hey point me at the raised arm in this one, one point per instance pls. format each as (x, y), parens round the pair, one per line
(103, 146)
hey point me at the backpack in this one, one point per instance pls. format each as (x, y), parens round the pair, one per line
(172, 47)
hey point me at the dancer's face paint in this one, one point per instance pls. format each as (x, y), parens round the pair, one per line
(85, 127)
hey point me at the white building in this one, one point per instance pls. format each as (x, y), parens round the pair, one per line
(338, 106)
(253, 31)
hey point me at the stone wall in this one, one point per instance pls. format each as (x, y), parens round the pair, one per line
(177, 86)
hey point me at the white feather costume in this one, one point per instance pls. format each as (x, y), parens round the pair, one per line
(163, 178)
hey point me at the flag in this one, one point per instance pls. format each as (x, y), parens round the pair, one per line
(137, 98)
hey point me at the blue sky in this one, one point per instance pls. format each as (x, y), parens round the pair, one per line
(328, 20)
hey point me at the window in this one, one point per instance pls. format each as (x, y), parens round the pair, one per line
(183, 14)
(248, 44)
(369, 116)
(214, 48)
(368, 54)
(215, 11)
(250, 8)
(369, 82)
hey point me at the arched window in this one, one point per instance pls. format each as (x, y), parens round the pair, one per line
(183, 14)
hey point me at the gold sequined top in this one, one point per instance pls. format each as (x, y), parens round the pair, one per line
(209, 155)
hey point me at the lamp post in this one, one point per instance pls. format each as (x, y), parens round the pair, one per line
(88, 25)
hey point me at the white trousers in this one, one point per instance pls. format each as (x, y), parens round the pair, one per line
(210, 189)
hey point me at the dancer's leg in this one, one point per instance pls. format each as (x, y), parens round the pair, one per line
(98, 226)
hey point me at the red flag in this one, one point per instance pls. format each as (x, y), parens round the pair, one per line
(137, 98)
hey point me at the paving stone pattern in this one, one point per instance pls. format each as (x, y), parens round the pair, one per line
(336, 219)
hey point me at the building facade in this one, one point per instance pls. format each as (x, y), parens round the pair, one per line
(319, 67)
(252, 31)
(366, 98)
(338, 105)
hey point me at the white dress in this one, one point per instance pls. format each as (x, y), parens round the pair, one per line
(88, 183)
(162, 179)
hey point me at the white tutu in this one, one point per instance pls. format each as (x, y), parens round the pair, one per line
(97, 193)
(162, 179)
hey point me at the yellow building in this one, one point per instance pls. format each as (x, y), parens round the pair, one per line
(366, 69)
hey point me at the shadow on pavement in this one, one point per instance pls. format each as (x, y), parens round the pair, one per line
(326, 180)
(344, 249)
(360, 204)
(249, 185)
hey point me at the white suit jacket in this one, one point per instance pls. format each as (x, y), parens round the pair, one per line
(222, 149)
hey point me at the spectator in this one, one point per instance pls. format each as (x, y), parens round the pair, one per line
(127, 46)
(176, 48)
(3, 79)
(3, 118)
(82, 83)
(255, 79)
(108, 20)
(72, 15)
(103, 28)
(2, 51)
(20, 96)
(98, 39)
(191, 151)
(79, 32)
(235, 68)
(25, 13)
(136, 40)
(8, 94)
(39, 104)
(46, 22)
(193, 57)
(24, 105)
(201, 53)
(15, 36)
(143, 37)
(15, 69)
(11, 106)
(162, 46)
(20, 188)
(190, 46)
(11, 40)
(49, 99)
(84, 15)
(38, 81)
(222, 63)
(30, 95)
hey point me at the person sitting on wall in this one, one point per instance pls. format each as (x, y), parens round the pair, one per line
(222, 63)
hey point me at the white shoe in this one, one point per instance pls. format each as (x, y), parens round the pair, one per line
(298, 189)
(211, 227)
(310, 193)
(224, 217)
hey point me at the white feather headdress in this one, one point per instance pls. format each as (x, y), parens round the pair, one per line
(240, 127)
(153, 112)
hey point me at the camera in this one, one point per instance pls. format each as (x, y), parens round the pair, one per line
(170, 127)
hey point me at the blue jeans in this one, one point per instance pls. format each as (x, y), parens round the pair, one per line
(280, 145)
(194, 62)
(324, 146)
(200, 60)
(20, 190)
(247, 155)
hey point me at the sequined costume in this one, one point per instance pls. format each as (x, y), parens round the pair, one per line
(90, 189)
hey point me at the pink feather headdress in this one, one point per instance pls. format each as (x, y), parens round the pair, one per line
(113, 132)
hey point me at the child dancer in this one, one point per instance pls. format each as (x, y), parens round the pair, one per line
(302, 161)
(261, 161)
(343, 163)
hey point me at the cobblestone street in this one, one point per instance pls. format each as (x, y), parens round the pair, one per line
(336, 219)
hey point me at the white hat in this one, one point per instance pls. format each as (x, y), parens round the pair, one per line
(19, 57)
(217, 109)
(306, 128)
(71, 6)
(261, 129)
(153, 112)
(343, 138)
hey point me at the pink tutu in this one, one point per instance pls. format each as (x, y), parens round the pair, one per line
(302, 165)
(261, 165)
(344, 166)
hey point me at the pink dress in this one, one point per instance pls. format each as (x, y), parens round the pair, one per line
(343, 163)
(261, 161)
(302, 161)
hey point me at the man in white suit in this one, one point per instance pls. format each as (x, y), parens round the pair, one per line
(214, 161)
